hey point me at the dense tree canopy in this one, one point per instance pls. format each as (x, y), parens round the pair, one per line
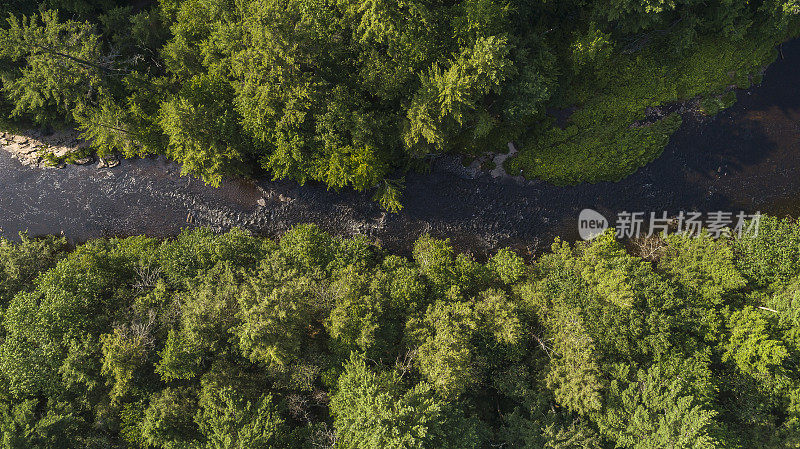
(234, 341)
(352, 92)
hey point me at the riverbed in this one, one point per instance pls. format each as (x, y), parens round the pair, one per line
(746, 158)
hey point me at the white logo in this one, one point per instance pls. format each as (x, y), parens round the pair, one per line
(591, 224)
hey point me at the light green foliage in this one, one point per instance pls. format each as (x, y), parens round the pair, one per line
(508, 266)
(608, 269)
(130, 420)
(403, 283)
(58, 426)
(521, 432)
(446, 96)
(194, 251)
(450, 274)
(369, 309)
(357, 316)
(591, 49)
(573, 372)
(389, 195)
(770, 259)
(95, 75)
(210, 307)
(276, 317)
(308, 247)
(235, 341)
(787, 303)
(754, 347)
(71, 303)
(61, 64)
(702, 264)
(435, 259)
(654, 412)
(167, 421)
(180, 358)
(370, 412)
(457, 340)
(20, 263)
(230, 421)
(202, 130)
(124, 352)
(587, 334)
(373, 410)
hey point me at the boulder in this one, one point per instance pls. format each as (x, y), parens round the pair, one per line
(61, 151)
(110, 162)
(27, 150)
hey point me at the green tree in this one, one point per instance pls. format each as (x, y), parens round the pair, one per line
(23, 261)
(58, 65)
(372, 410)
(168, 421)
(203, 129)
(654, 412)
(228, 420)
(456, 340)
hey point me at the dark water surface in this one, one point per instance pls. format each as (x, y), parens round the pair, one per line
(746, 158)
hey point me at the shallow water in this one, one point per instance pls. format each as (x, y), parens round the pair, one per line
(746, 158)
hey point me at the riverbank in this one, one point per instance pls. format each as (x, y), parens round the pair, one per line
(56, 149)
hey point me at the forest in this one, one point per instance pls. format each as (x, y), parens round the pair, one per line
(229, 340)
(357, 93)
(233, 341)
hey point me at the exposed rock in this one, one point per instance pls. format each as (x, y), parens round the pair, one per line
(29, 147)
(109, 162)
(61, 151)
(84, 160)
(499, 160)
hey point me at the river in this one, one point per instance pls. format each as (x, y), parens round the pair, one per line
(746, 158)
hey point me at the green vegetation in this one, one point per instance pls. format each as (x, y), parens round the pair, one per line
(715, 103)
(69, 158)
(353, 93)
(233, 341)
(601, 142)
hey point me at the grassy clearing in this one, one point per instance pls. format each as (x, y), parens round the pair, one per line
(600, 144)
